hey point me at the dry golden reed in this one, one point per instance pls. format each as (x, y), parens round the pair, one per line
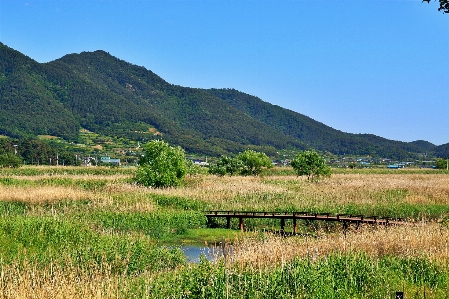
(26, 281)
(264, 193)
(421, 240)
(42, 194)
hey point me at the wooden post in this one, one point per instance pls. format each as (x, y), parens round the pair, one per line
(282, 225)
(241, 223)
(209, 222)
(295, 226)
(345, 227)
(228, 222)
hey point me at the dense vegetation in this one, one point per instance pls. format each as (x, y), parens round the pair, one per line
(161, 165)
(318, 135)
(105, 95)
(248, 162)
(310, 164)
(37, 152)
(71, 232)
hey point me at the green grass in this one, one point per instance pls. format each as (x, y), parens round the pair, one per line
(336, 276)
(46, 240)
(135, 234)
(156, 224)
(68, 170)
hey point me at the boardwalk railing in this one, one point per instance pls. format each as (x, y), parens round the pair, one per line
(343, 218)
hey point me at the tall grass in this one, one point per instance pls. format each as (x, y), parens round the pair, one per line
(46, 241)
(156, 225)
(92, 233)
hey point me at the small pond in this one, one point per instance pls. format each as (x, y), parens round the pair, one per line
(194, 252)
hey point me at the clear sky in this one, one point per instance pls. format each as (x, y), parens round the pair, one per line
(359, 66)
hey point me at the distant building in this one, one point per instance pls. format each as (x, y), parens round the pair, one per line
(107, 159)
(200, 163)
(394, 166)
(88, 161)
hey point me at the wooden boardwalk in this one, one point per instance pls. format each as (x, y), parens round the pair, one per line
(343, 218)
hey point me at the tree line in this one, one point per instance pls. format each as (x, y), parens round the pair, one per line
(16, 152)
(162, 165)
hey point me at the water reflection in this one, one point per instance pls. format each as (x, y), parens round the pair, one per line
(212, 253)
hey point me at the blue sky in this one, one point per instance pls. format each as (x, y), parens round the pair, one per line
(360, 66)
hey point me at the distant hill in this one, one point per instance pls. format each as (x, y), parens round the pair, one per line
(101, 93)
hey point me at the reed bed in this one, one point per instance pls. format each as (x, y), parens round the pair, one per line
(28, 281)
(92, 233)
(422, 240)
(43, 194)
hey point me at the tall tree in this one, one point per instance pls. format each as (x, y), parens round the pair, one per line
(311, 164)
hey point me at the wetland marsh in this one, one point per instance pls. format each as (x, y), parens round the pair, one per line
(67, 232)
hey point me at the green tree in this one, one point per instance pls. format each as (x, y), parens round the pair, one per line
(253, 162)
(10, 160)
(227, 165)
(161, 165)
(442, 163)
(193, 169)
(310, 163)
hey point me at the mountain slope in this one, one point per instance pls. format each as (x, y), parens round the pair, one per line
(101, 93)
(127, 92)
(316, 134)
(28, 106)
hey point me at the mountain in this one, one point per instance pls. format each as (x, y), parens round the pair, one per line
(27, 104)
(101, 93)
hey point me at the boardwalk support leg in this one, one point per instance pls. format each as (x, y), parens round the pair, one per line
(209, 222)
(345, 227)
(282, 225)
(295, 226)
(228, 222)
(241, 223)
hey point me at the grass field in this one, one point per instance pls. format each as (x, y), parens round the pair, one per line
(71, 232)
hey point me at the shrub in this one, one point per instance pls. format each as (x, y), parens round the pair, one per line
(227, 165)
(161, 165)
(254, 162)
(10, 160)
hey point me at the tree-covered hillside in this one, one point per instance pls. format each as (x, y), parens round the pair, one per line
(101, 93)
(122, 94)
(28, 106)
(317, 135)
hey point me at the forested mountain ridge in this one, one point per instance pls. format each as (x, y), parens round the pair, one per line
(104, 94)
(101, 93)
(27, 106)
(315, 134)
(192, 118)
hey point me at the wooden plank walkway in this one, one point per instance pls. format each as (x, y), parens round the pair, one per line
(343, 218)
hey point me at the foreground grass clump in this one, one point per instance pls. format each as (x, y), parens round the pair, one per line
(44, 241)
(337, 276)
(368, 263)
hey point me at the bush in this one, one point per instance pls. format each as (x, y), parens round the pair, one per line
(247, 163)
(161, 165)
(254, 162)
(227, 165)
(10, 160)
